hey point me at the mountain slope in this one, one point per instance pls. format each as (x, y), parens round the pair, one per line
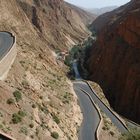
(105, 18)
(55, 20)
(114, 61)
(46, 101)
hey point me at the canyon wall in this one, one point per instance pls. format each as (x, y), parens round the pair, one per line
(57, 21)
(46, 98)
(115, 58)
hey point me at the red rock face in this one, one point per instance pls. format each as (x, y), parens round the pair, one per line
(115, 60)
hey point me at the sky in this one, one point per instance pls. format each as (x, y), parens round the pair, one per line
(97, 3)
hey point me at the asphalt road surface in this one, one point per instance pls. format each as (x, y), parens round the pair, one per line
(90, 114)
(91, 117)
(85, 87)
(6, 42)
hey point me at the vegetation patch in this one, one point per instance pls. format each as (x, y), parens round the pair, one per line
(17, 117)
(18, 96)
(10, 101)
(67, 98)
(31, 125)
(22, 113)
(4, 127)
(33, 106)
(55, 118)
(55, 135)
(24, 130)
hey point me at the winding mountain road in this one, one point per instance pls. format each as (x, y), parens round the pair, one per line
(90, 114)
(81, 87)
(6, 43)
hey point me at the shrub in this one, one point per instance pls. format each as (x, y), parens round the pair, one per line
(33, 106)
(66, 98)
(55, 135)
(41, 97)
(22, 113)
(55, 118)
(1, 115)
(111, 133)
(32, 136)
(31, 125)
(24, 130)
(18, 96)
(43, 126)
(16, 118)
(10, 101)
(44, 109)
(25, 84)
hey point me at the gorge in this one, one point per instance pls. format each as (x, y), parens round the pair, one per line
(37, 98)
(114, 61)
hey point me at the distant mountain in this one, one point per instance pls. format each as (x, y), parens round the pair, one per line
(86, 16)
(100, 11)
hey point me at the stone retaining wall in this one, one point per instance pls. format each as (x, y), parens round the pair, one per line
(99, 128)
(7, 136)
(113, 112)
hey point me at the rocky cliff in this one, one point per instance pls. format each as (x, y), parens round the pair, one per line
(37, 100)
(115, 58)
(57, 21)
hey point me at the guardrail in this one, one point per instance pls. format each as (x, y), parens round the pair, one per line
(131, 122)
(115, 114)
(7, 59)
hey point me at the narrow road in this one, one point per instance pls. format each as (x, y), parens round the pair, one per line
(6, 42)
(90, 114)
(81, 87)
(117, 122)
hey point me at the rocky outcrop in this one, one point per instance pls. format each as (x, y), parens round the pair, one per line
(114, 61)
